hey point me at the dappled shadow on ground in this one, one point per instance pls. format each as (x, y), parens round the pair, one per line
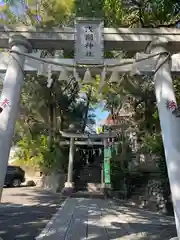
(118, 233)
(97, 219)
(120, 225)
(25, 222)
(129, 203)
(142, 215)
(30, 196)
(25, 212)
(149, 230)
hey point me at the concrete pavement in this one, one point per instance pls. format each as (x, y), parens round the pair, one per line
(25, 211)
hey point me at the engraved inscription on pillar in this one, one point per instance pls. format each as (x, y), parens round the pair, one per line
(89, 41)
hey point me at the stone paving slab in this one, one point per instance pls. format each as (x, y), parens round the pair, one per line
(96, 227)
(99, 219)
(59, 225)
(79, 222)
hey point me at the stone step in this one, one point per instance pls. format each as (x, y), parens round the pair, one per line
(86, 194)
(90, 187)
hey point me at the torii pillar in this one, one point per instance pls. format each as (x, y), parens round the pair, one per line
(11, 91)
(69, 185)
(170, 124)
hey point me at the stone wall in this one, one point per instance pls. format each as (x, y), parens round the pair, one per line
(150, 196)
(154, 193)
(53, 182)
(144, 163)
(147, 194)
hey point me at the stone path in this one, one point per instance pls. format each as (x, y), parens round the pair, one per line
(98, 219)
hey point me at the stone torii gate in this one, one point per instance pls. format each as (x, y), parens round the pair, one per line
(88, 139)
(162, 42)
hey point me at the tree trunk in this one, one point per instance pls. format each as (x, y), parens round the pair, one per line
(146, 105)
(61, 121)
(51, 134)
(86, 110)
(51, 118)
(29, 128)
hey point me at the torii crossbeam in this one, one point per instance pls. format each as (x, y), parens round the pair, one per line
(128, 39)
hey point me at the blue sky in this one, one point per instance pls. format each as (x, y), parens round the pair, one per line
(100, 114)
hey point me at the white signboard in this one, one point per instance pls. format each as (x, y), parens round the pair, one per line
(89, 41)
